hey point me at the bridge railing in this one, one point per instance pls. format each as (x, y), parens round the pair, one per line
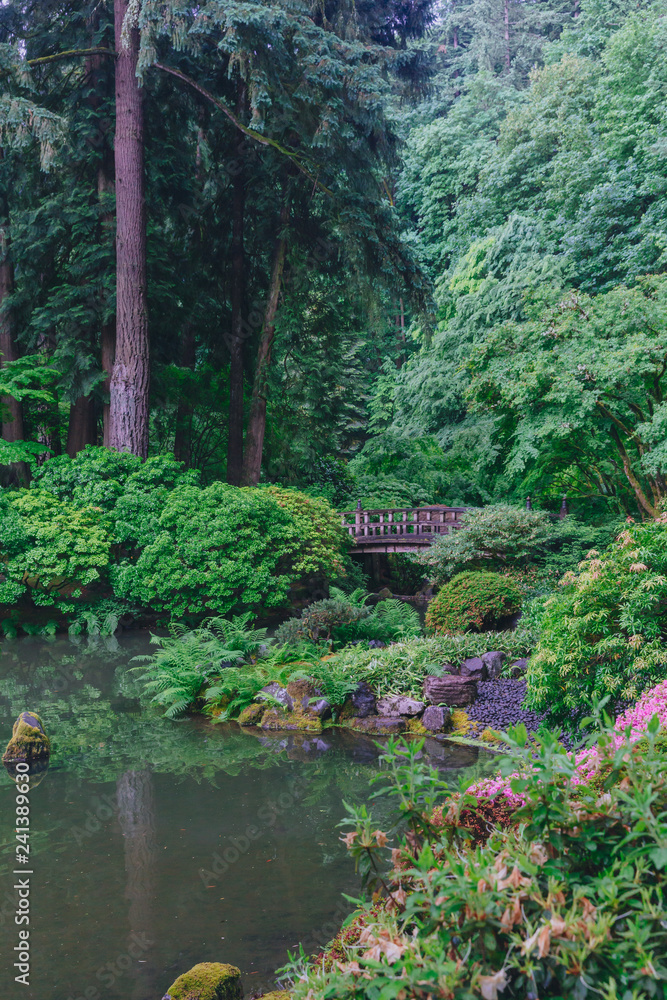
(416, 525)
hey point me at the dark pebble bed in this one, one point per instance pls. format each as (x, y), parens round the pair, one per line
(499, 705)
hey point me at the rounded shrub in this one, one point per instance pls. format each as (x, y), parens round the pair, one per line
(473, 602)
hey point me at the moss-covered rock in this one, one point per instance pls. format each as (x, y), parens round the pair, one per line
(381, 725)
(207, 981)
(29, 742)
(276, 718)
(276, 995)
(252, 715)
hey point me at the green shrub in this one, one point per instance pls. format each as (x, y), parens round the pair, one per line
(330, 618)
(322, 538)
(341, 619)
(604, 633)
(49, 548)
(473, 602)
(560, 897)
(218, 550)
(501, 536)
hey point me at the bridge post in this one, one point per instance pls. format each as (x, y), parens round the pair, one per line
(357, 519)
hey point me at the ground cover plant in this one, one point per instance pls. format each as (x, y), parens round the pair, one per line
(557, 891)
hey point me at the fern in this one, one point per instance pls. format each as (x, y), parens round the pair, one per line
(187, 658)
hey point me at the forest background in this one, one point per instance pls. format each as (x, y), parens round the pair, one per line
(397, 251)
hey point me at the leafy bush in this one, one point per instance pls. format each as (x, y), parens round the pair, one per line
(501, 536)
(187, 658)
(48, 547)
(562, 896)
(605, 631)
(321, 534)
(342, 619)
(473, 601)
(323, 620)
(219, 549)
(99, 476)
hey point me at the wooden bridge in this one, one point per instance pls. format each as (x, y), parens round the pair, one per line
(399, 529)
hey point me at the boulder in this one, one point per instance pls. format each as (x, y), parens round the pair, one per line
(29, 742)
(252, 714)
(207, 981)
(381, 725)
(494, 662)
(398, 704)
(277, 718)
(307, 697)
(277, 692)
(448, 690)
(448, 668)
(436, 718)
(518, 668)
(475, 667)
(360, 704)
(276, 995)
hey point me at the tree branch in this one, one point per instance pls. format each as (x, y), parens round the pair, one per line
(263, 140)
(70, 55)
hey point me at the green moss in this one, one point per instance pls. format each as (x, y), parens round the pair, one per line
(208, 981)
(416, 727)
(276, 718)
(276, 995)
(373, 724)
(29, 742)
(252, 715)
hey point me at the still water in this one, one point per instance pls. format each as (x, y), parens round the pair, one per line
(157, 844)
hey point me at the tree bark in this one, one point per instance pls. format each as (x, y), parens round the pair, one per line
(235, 429)
(82, 427)
(254, 442)
(11, 426)
(130, 377)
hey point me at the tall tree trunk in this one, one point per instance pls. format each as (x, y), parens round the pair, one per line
(131, 370)
(82, 427)
(507, 35)
(183, 435)
(235, 431)
(254, 442)
(99, 79)
(11, 426)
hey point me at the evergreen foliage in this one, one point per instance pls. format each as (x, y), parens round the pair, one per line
(473, 602)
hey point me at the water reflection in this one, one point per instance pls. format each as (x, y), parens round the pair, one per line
(157, 845)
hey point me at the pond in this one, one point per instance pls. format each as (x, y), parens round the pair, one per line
(157, 844)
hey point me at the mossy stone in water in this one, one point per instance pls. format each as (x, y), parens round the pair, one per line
(276, 995)
(29, 742)
(207, 981)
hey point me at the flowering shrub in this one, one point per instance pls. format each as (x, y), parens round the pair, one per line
(605, 632)
(557, 893)
(473, 602)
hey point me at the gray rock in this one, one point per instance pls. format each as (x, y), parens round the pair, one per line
(380, 724)
(281, 695)
(457, 691)
(396, 704)
(448, 668)
(518, 668)
(494, 661)
(475, 667)
(435, 718)
(319, 707)
(363, 701)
